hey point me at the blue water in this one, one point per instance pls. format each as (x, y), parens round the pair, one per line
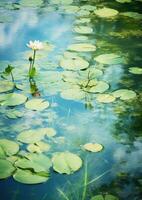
(120, 133)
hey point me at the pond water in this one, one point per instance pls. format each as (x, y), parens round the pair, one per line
(89, 85)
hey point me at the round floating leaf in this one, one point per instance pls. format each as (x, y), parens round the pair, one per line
(31, 3)
(2, 153)
(6, 169)
(37, 162)
(124, 1)
(82, 47)
(74, 63)
(50, 132)
(13, 114)
(31, 136)
(72, 94)
(6, 86)
(106, 12)
(82, 20)
(81, 38)
(38, 147)
(93, 147)
(124, 94)
(12, 99)
(135, 70)
(110, 59)
(37, 104)
(61, 1)
(10, 147)
(97, 197)
(66, 162)
(27, 177)
(105, 98)
(83, 29)
(100, 87)
(88, 7)
(134, 15)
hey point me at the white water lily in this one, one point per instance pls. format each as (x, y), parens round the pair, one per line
(36, 45)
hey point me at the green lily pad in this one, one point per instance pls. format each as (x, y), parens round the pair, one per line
(50, 132)
(100, 87)
(38, 147)
(37, 104)
(62, 2)
(124, 1)
(31, 136)
(133, 15)
(135, 70)
(83, 29)
(93, 147)
(88, 7)
(124, 94)
(12, 99)
(10, 147)
(82, 20)
(66, 162)
(6, 169)
(107, 197)
(74, 63)
(31, 3)
(2, 153)
(82, 47)
(106, 12)
(110, 59)
(37, 162)
(6, 86)
(14, 114)
(72, 94)
(27, 177)
(105, 98)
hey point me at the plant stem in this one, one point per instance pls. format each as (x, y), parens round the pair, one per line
(12, 76)
(85, 183)
(34, 56)
(63, 194)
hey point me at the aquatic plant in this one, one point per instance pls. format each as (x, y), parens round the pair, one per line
(8, 72)
(35, 46)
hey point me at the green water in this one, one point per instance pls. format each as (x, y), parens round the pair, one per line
(75, 112)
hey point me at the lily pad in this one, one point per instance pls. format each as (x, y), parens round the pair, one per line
(135, 70)
(2, 153)
(72, 94)
(12, 99)
(82, 47)
(31, 3)
(66, 162)
(133, 15)
(62, 2)
(6, 86)
(27, 177)
(107, 197)
(105, 98)
(37, 162)
(106, 12)
(124, 94)
(93, 147)
(74, 63)
(10, 147)
(83, 29)
(110, 59)
(38, 147)
(100, 87)
(37, 104)
(6, 169)
(14, 114)
(31, 136)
